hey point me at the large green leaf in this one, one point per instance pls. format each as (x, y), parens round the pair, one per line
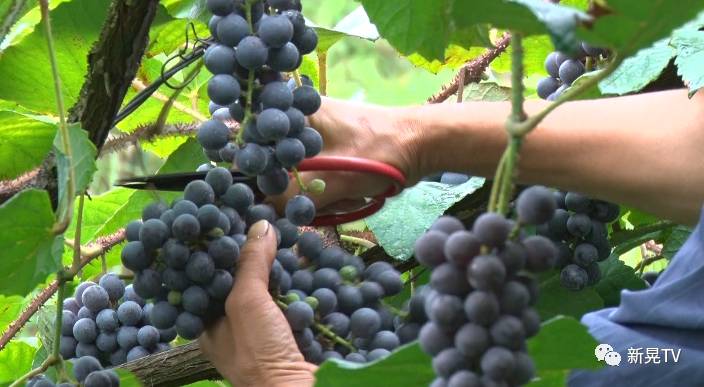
(15, 361)
(10, 12)
(25, 73)
(10, 308)
(82, 162)
(407, 366)
(674, 242)
(24, 143)
(690, 58)
(638, 71)
(631, 25)
(355, 25)
(30, 251)
(556, 300)
(616, 276)
(418, 207)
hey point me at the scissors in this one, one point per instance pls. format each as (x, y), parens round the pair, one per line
(178, 182)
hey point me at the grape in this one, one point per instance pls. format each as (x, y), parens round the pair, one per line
(306, 99)
(290, 152)
(85, 313)
(238, 196)
(349, 299)
(220, 59)
(131, 295)
(355, 357)
(306, 41)
(429, 248)
(300, 210)
(302, 280)
(514, 298)
(118, 357)
(137, 352)
(67, 322)
(189, 326)
(574, 277)
(260, 212)
(200, 193)
(547, 86)
(84, 349)
(129, 313)
(486, 272)
(133, 257)
(327, 301)
(153, 234)
(377, 354)
(147, 283)
(578, 203)
(524, 370)
(231, 30)
(83, 366)
(605, 212)
(448, 361)
(312, 140)
(287, 259)
(408, 332)
(251, 53)
(251, 160)
(220, 285)
(78, 294)
(67, 347)
(390, 281)
(594, 273)
(127, 337)
(535, 205)
(570, 70)
(513, 256)
(208, 218)
(508, 332)
(106, 320)
(371, 292)
(147, 336)
(286, 58)
(338, 323)
(446, 311)
(175, 254)
(163, 315)
(386, 340)
(447, 224)
(132, 230)
(275, 31)
(531, 322)
(224, 252)
(326, 278)
(220, 179)
(585, 254)
(153, 211)
(551, 65)
(106, 342)
(200, 267)
(365, 322)
(541, 253)
(452, 178)
(85, 331)
(220, 7)
(98, 379)
(223, 89)
(482, 307)
(492, 229)
(276, 95)
(464, 378)
(297, 121)
(184, 206)
(167, 335)
(557, 226)
(461, 247)
(497, 363)
(449, 279)
(313, 353)
(472, 340)
(299, 315)
(274, 182)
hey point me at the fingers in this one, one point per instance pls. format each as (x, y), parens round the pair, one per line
(257, 257)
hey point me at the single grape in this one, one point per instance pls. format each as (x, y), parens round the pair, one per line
(497, 363)
(163, 315)
(200, 268)
(132, 230)
(578, 203)
(223, 89)
(189, 326)
(585, 254)
(284, 59)
(557, 226)
(310, 245)
(147, 283)
(535, 205)
(220, 7)
(107, 320)
(220, 59)
(251, 160)
(83, 366)
(461, 247)
(570, 70)
(131, 295)
(326, 278)
(486, 272)
(252, 53)
(129, 313)
(300, 210)
(464, 378)
(312, 140)
(349, 299)
(85, 313)
(231, 30)
(85, 330)
(472, 340)
(299, 315)
(508, 332)
(551, 65)
(67, 322)
(386, 340)
(106, 342)
(541, 253)
(127, 337)
(306, 41)
(67, 347)
(153, 234)
(306, 99)
(482, 307)
(134, 257)
(220, 285)
(208, 218)
(531, 322)
(238, 196)
(514, 298)
(446, 311)
(147, 336)
(377, 354)
(276, 95)
(275, 31)
(451, 279)
(137, 352)
(547, 86)
(175, 254)
(429, 248)
(260, 212)
(371, 292)
(447, 225)
(448, 361)
(492, 229)
(199, 192)
(338, 323)
(153, 210)
(574, 277)
(365, 322)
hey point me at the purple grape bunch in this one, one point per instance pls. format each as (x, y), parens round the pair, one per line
(563, 69)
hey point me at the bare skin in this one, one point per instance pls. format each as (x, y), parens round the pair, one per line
(644, 151)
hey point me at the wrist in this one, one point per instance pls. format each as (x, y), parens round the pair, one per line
(410, 128)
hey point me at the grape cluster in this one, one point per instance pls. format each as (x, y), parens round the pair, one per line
(255, 42)
(563, 70)
(110, 322)
(480, 297)
(88, 373)
(579, 229)
(333, 303)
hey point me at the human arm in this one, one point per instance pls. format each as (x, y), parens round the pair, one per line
(642, 150)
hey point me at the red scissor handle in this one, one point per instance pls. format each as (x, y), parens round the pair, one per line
(355, 164)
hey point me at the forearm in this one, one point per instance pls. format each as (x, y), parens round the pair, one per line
(644, 150)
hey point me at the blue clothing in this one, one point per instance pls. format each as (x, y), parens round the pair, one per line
(669, 315)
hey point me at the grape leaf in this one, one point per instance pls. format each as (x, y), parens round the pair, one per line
(418, 206)
(638, 71)
(550, 352)
(24, 143)
(355, 25)
(31, 251)
(15, 360)
(674, 242)
(486, 91)
(616, 276)
(407, 366)
(83, 154)
(10, 308)
(25, 73)
(690, 58)
(556, 300)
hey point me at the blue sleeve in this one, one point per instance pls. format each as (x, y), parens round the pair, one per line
(665, 320)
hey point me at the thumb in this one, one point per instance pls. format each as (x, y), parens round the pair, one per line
(257, 257)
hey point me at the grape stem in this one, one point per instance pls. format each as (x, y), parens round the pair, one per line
(358, 241)
(323, 72)
(322, 329)
(297, 78)
(250, 81)
(396, 311)
(299, 180)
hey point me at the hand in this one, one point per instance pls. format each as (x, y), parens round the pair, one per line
(389, 135)
(253, 344)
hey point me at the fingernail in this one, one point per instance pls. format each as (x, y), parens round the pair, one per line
(259, 230)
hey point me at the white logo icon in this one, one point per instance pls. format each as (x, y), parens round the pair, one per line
(613, 359)
(601, 351)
